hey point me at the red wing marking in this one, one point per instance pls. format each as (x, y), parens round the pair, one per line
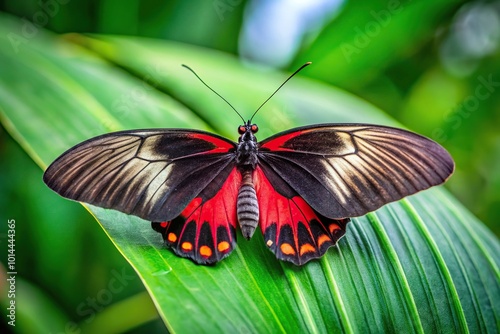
(277, 144)
(220, 145)
(205, 231)
(292, 230)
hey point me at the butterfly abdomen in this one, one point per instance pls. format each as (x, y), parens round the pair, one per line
(247, 207)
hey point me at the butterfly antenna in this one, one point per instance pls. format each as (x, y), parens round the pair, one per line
(297, 71)
(203, 82)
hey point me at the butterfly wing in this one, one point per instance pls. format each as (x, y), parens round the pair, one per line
(153, 174)
(292, 230)
(348, 170)
(205, 231)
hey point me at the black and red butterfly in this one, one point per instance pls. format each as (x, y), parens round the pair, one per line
(300, 186)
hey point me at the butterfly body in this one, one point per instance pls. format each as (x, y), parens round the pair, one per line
(247, 205)
(299, 186)
(246, 160)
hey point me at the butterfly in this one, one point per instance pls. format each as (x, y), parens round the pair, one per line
(299, 186)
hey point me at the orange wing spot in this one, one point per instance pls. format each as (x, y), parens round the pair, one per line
(322, 239)
(287, 249)
(223, 246)
(187, 246)
(205, 251)
(306, 248)
(172, 237)
(333, 228)
(164, 224)
(269, 243)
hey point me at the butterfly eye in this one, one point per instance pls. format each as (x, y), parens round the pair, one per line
(254, 128)
(241, 129)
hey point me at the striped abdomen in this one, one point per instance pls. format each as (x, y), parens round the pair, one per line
(247, 207)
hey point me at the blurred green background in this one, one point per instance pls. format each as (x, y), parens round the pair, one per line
(433, 66)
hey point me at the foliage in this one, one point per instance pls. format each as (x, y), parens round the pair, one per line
(423, 264)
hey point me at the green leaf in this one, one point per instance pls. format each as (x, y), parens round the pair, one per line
(423, 264)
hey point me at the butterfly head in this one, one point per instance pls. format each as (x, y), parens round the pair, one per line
(247, 132)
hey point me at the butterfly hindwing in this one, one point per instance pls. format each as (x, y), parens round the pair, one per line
(205, 231)
(292, 230)
(153, 174)
(348, 170)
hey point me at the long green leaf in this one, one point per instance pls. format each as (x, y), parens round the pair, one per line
(423, 264)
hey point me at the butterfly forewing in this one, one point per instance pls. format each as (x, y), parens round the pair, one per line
(349, 170)
(152, 174)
